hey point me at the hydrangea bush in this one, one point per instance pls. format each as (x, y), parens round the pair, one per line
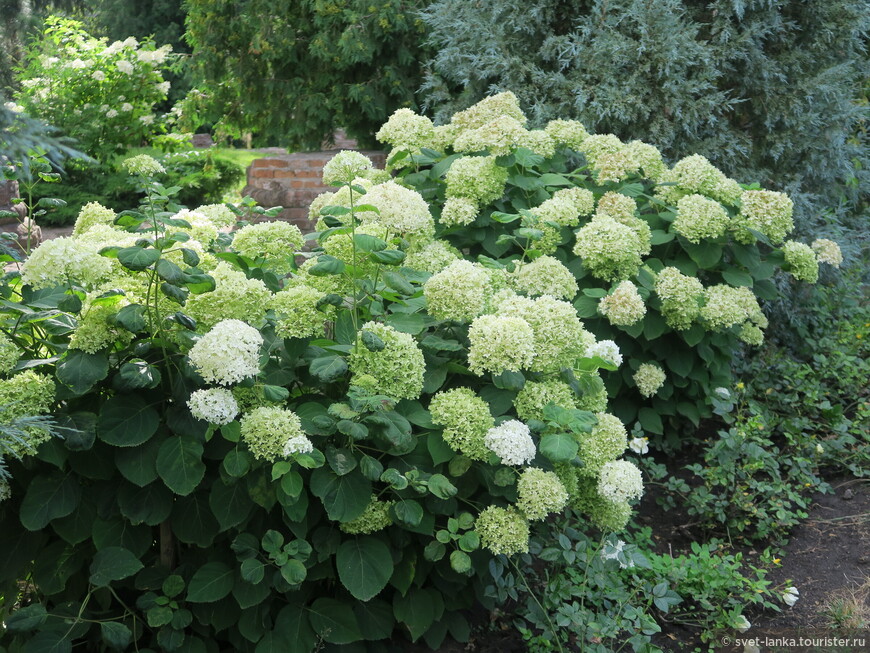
(267, 449)
(102, 94)
(667, 262)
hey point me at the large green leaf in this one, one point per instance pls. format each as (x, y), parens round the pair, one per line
(127, 421)
(81, 371)
(211, 582)
(344, 497)
(559, 447)
(418, 610)
(113, 563)
(136, 464)
(328, 368)
(179, 464)
(193, 521)
(137, 258)
(334, 621)
(49, 497)
(229, 503)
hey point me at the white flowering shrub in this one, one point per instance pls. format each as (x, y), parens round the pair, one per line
(269, 448)
(667, 262)
(101, 94)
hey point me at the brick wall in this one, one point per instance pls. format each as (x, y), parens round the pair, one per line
(293, 181)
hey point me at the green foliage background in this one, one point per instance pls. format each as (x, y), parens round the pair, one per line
(765, 89)
(295, 71)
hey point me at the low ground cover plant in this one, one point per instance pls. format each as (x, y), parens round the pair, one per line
(270, 449)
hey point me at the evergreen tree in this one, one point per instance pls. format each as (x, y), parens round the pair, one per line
(765, 89)
(293, 71)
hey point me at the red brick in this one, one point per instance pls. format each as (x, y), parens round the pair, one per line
(263, 173)
(286, 174)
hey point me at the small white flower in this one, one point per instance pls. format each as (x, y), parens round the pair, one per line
(820, 449)
(742, 624)
(148, 120)
(111, 113)
(126, 107)
(125, 66)
(98, 75)
(606, 349)
(611, 551)
(511, 441)
(163, 87)
(791, 596)
(639, 445)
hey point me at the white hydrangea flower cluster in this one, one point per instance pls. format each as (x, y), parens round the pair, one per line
(228, 353)
(827, 251)
(61, 260)
(406, 130)
(143, 165)
(220, 215)
(431, 257)
(458, 211)
(699, 218)
(801, 260)
(401, 209)
(570, 133)
(512, 442)
(498, 137)
(692, 174)
(606, 349)
(213, 405)
(620, 481)
(624, 306)
(540, 493)
(96, 328)
(649, 379)
(680, 295)
(500, 343)
(344, 167)
(9, 354)
(458, 292)
(201, 228)
(545, 276)
(616, 205)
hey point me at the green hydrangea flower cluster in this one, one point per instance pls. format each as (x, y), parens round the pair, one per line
(296, 312)
(801, 260)
(540, 493)
(726, 306)
(624, 306)
(9, 354)
(459, 292)
(400, 209)
(397, 369)
(272, 433)
(535, 395)
(235, 297)
(220, 215)
(276, 242)
(90, 215)
(766, 211)
(63, 260)
(604, 514)
(431, 257)
(681, 297)
(201, 228)
(649, 378)
(699, 218)
(504, 531)
(478, 179)
(545, 276)
(96, 329)
(488, 109)
(466, 420)
(26, 394)
(606, 442)
(374, 518)
(827, 251)
(500, 343)
(568, 133)
(458, 211)
(610, 250)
